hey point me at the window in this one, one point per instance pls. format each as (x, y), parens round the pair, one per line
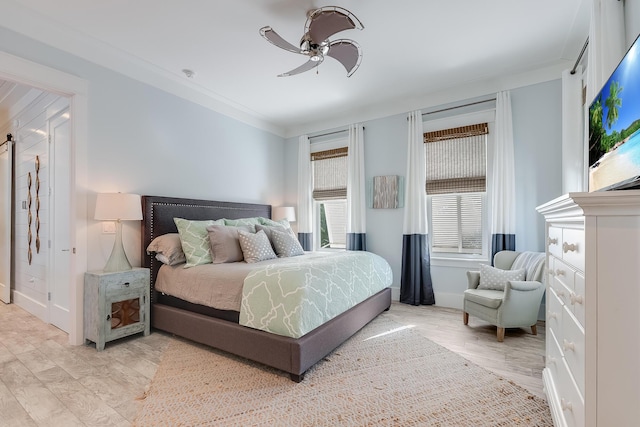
(456, 188)
(330, 198)
(333, 224)
(457, 223)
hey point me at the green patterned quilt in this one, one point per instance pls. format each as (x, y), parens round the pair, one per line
(296, 295)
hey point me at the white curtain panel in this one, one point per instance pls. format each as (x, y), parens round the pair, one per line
(305, 209)
(573, 143)
(607, 43)
(356, 190)
(416, 286)
(415, 209)
(503, 181)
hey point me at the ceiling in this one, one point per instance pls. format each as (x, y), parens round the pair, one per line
(412, 49)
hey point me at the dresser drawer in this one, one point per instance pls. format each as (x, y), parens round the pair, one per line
(571, 400)
(573, 347)
(576, 299)
(554, 313)
(554, 241)
(573, 247)
(554, 354)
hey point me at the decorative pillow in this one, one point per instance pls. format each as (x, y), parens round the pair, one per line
(167, 248)
(225, 246)
(495, 278)
(251, 222)
(194, 238)
(267, 230)
(255, 247)
(271, 223)
(286, 245)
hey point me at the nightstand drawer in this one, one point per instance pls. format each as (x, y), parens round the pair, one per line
(125, 286)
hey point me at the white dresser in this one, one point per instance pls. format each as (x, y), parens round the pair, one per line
(592, 372)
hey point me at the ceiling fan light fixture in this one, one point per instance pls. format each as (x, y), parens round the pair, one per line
(321, 24)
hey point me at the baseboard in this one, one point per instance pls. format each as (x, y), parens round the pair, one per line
(443, 299)
(30, 305)
(447, 299)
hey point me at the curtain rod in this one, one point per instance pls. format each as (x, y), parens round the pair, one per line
(331, 133)
(586, 43)
(9, 139)
(459, 106)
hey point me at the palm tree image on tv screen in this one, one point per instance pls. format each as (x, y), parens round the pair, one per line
(614, 126)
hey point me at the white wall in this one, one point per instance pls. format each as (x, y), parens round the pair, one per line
(537, 151)
(632, 20)
(146, 141)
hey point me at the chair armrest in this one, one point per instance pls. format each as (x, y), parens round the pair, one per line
(474, 279)
(524, 286)
(521, 291)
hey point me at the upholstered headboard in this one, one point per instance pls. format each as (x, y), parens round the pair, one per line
(158, 213)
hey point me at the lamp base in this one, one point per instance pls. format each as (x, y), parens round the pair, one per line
(118, 260)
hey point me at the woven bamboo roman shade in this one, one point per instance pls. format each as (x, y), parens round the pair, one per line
(456, 160)
(330, 174)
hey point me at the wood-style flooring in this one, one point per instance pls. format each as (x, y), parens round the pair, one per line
(44, 381)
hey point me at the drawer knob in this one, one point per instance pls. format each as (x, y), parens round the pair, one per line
(553, 241)
(552, 360)
(552, 273)
(566, 405)
(576, 299)
(568, 345)
(559, 293)
(552, 315)
(569, 247)
(559, 272)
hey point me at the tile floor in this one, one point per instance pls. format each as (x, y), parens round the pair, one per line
(46, 382)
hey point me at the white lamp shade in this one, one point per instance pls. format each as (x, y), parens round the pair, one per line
(283, 212)
(118, 206)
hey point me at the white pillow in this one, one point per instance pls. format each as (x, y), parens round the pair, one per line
(496, 278)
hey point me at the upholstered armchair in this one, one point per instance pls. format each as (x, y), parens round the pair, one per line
(509, 294)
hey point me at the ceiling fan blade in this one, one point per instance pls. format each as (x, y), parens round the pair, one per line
(326, 21)
(273, 37)
(347, 52)
(301, 69)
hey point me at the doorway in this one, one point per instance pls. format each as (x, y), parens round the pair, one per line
(75, 89)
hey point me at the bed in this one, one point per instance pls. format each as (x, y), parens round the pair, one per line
(220, 328)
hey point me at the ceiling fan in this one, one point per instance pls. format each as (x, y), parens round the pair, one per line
(321, 24)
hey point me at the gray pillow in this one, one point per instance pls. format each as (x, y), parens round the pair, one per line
(168, 249)
(268, 228)
(255, 247)
(286, 245)
(496, 278)
(225, 245)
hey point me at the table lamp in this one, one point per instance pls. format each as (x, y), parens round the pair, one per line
(118, 207)
(283, 212)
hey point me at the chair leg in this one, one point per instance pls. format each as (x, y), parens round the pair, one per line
(500, 334)
(534, 329)
(465, 317)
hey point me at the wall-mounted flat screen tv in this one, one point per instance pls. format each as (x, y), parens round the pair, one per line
(614, 128)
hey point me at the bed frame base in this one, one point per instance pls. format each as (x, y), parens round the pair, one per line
(291, 355)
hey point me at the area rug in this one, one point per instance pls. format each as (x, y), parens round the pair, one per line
(387, 374)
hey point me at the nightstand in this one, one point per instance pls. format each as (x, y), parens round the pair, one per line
(116, 305)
